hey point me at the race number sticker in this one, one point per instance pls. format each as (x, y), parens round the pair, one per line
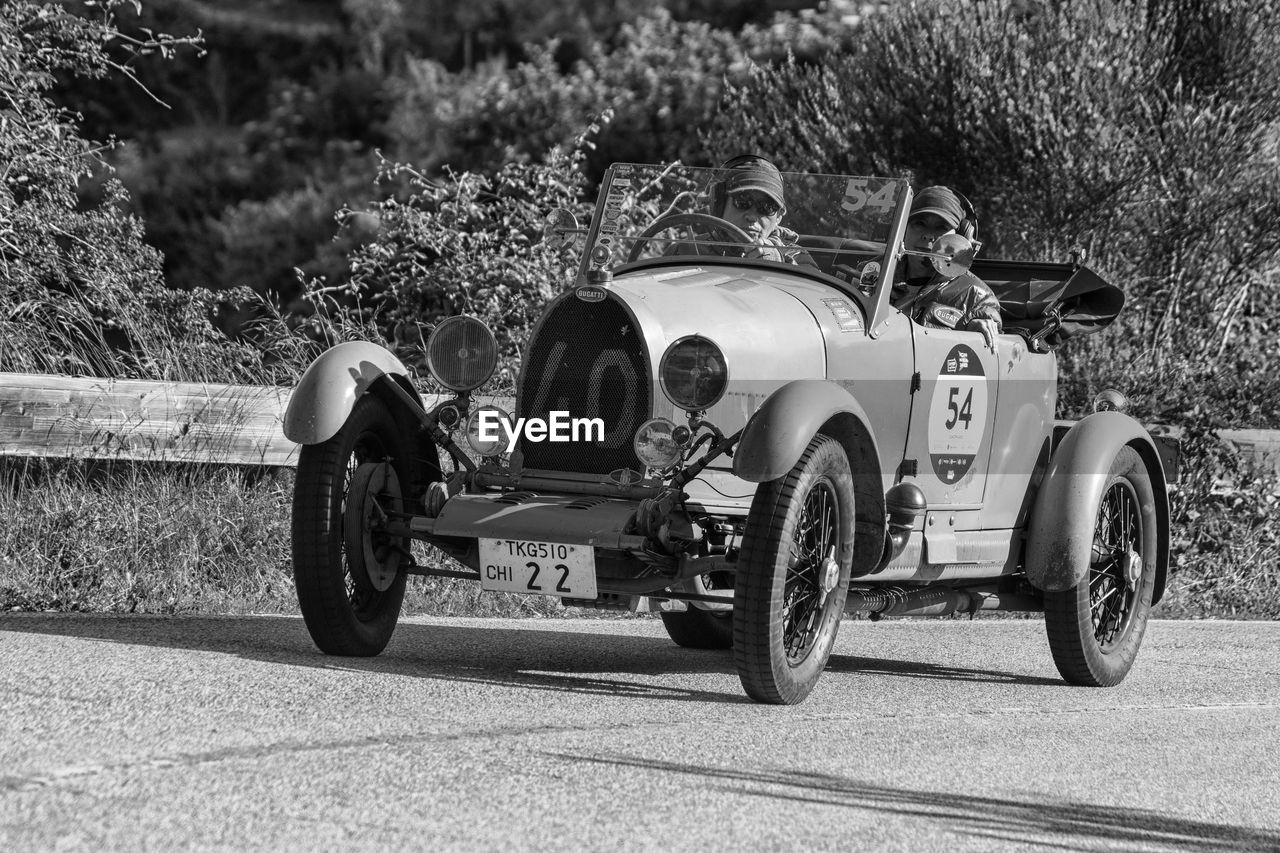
(957, 414)
(857, 195)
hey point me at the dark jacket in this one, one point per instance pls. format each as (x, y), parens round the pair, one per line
(953, 304)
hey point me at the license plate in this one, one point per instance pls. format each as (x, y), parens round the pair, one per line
(538, 568)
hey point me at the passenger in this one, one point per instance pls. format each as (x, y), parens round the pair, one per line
(961, 302)
(749, 194)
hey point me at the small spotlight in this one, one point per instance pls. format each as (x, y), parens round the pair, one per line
(1110, 400)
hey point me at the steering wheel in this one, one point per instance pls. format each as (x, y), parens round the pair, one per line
(706, 220)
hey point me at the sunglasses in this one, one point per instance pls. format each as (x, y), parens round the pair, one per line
(764, 205)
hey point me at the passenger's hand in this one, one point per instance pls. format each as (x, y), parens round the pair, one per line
(989, 329)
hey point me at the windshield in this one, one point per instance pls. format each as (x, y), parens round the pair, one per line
(835, 224)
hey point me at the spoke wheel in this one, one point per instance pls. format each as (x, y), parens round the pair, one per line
(344, 568)
(1096, 627)
(793, 575)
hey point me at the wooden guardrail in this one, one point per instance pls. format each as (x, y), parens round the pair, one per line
(73, 417)
(60, 416)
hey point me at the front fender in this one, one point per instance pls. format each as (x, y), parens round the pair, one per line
(1062, 524)
(781, 428)
(327, 392)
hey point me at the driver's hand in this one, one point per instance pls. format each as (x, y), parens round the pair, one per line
(763, 253)
(989, 329)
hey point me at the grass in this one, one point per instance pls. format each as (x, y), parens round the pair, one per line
(176, 539)
(213, 539)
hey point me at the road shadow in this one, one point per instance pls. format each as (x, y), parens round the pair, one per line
(541, 658)
(1028, 822)
(919, 669)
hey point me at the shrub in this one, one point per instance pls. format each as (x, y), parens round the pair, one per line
(467, 243)
(1065, 123)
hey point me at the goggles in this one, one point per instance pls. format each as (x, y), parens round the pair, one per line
(764, 205)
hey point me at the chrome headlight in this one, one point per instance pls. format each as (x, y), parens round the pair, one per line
(487, 431)
(693, 373)
(462, 353)
(658, 443)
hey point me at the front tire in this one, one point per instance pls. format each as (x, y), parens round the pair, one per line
(345, 611)
(793, 575)
(1096, 627)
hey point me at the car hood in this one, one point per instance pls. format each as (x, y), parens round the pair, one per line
(768, 334)
(597, 350)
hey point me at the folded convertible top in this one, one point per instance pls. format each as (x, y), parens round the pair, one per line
(1051, 303)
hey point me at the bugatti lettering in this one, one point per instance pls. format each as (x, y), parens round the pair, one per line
(557, 426)
(945, 315)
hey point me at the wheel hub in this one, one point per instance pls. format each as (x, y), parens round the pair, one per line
(829, 572)
(1131, 563)
(369, 551)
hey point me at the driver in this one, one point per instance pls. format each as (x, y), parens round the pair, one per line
(749, 195)
(962, 302)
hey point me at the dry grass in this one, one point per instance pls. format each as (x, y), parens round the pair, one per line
(211, 539)
(142, 538)
(1226, 552)
(177, 539)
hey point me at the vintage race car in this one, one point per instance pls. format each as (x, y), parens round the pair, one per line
(748, 446)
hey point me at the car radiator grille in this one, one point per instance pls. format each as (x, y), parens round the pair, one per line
(588, 360)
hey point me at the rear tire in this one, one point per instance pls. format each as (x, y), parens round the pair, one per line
(344, 612)
(1096, 627)
(696, 628)
(793, 575)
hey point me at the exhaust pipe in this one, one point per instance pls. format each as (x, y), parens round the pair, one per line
(936, 601)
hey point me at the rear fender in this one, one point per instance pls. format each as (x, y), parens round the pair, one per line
(327, 392)
(1061, 532)
(780, 430)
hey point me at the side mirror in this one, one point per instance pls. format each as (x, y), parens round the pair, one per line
(952, 254)
(561, 229)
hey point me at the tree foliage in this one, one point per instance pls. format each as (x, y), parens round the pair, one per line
(661, 79)
(291, 103)
(80, 291)
(1145, 131)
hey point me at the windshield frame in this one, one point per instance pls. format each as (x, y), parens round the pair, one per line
(599, 261)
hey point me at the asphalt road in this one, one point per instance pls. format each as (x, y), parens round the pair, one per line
(141, 732)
